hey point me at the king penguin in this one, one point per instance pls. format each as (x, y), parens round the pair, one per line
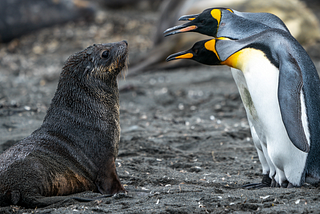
(226, 22)
(232, 24)
(284, 101)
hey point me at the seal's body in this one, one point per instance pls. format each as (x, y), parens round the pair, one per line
(75, 148)
(283, 88)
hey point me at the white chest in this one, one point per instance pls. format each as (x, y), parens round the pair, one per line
(262, 82)
(262, 79)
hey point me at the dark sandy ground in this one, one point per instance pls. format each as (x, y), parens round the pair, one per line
(185, 142)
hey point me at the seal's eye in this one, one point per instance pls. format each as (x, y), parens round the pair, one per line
(105, 54)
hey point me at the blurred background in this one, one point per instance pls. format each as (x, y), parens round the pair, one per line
(38, 35)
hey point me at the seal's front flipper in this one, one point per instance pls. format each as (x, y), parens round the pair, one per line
(107, 180)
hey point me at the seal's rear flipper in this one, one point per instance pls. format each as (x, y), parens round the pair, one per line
(42, 201)
(9, 197)
(58, 201)
(107, 180)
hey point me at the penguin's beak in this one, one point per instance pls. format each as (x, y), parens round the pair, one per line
(180, 55)
(188, 17)
(184, 27)
(179, 29)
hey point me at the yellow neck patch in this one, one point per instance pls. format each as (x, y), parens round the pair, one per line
(239, 59)
(234, 60)
(216, 14)
(211, 46)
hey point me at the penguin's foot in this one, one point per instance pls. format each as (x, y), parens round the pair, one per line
(287, 184)
(284, 184)
(290, 185)
(266, 182)
(274, 183)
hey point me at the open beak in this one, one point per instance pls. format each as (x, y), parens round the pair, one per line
(179, 29)
(182, 28)
(180, 55)
(188, 17)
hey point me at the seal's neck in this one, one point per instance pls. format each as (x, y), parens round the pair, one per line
(84, 111)
(86, 93)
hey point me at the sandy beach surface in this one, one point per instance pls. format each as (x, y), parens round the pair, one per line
(185, 142)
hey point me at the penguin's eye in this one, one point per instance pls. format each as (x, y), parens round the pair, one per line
(105, 54)
(196, 51)
(202, 21)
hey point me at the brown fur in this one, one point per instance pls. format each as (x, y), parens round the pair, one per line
(75, 148)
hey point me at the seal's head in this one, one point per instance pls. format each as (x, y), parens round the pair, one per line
(100, 61)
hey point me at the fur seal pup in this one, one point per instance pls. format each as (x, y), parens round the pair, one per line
(75, 148)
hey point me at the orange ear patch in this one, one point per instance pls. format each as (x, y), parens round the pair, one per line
(211, 46)
(216, 14)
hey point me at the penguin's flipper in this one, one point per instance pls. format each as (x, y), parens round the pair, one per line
(289, 95)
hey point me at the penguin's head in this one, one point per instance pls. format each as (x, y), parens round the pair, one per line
(203, 52)
(206, 23)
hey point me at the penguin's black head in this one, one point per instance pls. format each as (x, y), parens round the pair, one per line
(206, 23)
(200, 52)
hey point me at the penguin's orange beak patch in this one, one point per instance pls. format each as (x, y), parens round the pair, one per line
(180, 55)
(185, 56)
(192, 27)
(188, 17)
